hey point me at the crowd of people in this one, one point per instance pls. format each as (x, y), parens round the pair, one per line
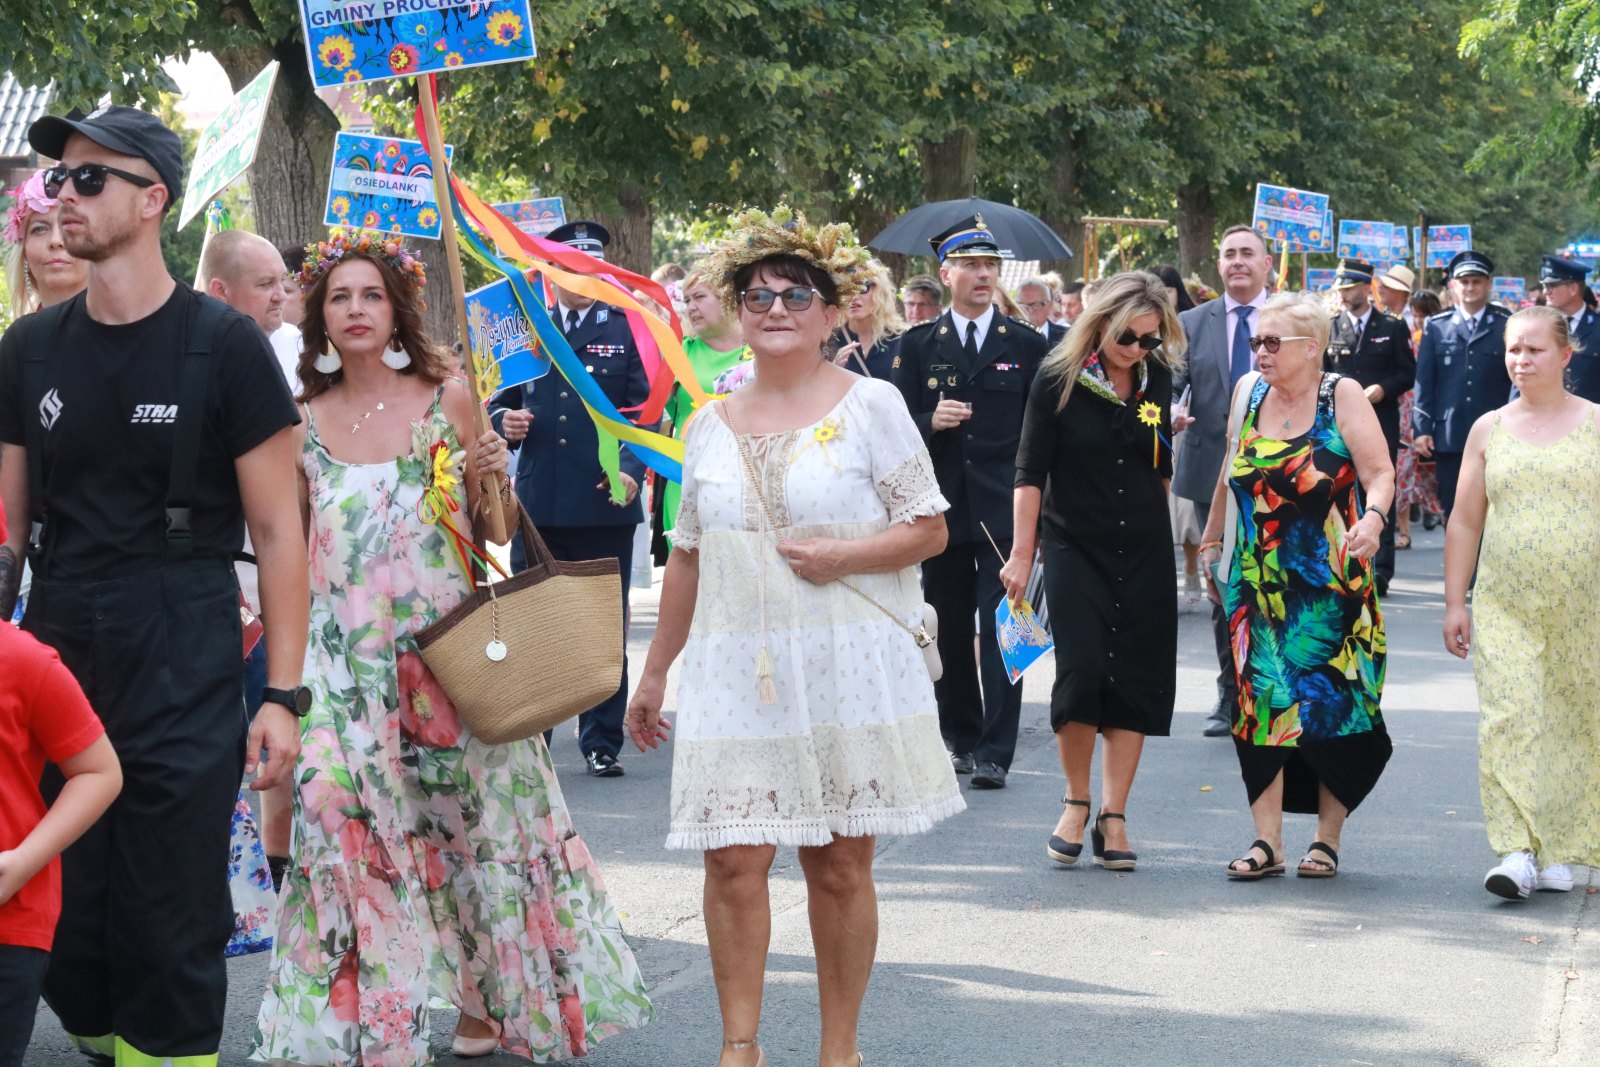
(880, 467)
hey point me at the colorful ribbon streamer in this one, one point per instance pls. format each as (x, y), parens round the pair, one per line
(660, 453)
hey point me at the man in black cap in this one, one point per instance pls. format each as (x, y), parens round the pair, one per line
(1461, 370)
(559, 477)
(143, 426)
(966, 377)
(1374, 348)
(1565, 285)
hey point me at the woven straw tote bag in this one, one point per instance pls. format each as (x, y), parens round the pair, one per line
(525, 654)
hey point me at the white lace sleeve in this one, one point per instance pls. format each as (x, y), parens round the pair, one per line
(685, 532)
(901, 467)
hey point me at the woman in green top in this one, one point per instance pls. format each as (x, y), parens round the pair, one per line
(716, 347)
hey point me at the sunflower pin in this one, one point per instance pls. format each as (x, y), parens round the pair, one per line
(1150, 415)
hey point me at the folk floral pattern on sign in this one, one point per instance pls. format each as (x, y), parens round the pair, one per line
(417, 41)
(1307, 633)
(426, 864)
(1535, 631)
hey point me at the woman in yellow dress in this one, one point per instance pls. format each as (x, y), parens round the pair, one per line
(1530, 499)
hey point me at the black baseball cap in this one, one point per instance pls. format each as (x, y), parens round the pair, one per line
(121, 129)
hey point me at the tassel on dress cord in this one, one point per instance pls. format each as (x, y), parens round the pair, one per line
(766, 689)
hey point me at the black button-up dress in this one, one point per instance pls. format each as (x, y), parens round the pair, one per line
(1107, 536)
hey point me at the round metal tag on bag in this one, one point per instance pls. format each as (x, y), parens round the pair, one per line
(495, 650)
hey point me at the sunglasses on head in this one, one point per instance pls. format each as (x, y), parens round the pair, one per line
(760, 301)
(88, 178)
(1271, 343)
(1148, 342)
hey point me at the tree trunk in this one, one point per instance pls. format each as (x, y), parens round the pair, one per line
(631, 222)
(289, 178)
(950, 166)
(1065, 211)
(1197, 232)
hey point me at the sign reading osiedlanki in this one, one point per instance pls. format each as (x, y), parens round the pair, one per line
(383, 183)
(367, 40)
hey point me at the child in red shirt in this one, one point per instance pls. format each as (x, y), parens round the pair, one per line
(43, 717)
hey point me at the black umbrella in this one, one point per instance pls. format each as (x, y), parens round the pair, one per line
(1019, 234)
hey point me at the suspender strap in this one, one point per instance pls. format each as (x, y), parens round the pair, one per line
(199, 331)
(37, 336)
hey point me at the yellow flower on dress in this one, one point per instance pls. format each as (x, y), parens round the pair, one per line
(823, 434)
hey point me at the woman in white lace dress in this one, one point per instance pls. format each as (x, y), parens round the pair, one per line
(806, 715)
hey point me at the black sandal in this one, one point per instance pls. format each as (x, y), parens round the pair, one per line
(1257, 870)
(1060, 849)
(1111, 860)
(1332, 862)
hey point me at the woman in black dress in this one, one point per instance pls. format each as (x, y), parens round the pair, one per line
(1096, 452)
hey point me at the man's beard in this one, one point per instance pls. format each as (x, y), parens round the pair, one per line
(98, 248)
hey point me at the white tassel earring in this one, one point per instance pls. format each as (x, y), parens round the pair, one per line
(395, 357)
(329, 362)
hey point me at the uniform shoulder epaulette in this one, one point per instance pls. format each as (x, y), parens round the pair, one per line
(1440, 316)
(1387, 315)
(923, 325)
(1500, 308)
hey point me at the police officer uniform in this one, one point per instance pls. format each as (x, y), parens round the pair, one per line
(1374, 350)
(975, 462)
(1461, 374)
(1583, 373)
(559, 478)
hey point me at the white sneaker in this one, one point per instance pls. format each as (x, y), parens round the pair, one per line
(1514, 878)
(1555, 879)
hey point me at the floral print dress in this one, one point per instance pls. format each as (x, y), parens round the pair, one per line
(1307, 634)
(426, 863)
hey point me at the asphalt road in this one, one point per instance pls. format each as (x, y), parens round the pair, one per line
(991, 954)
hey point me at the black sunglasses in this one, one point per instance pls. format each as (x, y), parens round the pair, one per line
(1148, 342)
(1271, 343)
(760, 301)
(88, 178)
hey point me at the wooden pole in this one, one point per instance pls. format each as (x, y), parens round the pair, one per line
(489, 490)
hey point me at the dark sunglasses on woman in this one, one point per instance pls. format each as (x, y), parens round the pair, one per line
(1271, 343)
(760, 301)
(1149, 342)
(88, 178)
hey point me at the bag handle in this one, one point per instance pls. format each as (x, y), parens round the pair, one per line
(919, 633)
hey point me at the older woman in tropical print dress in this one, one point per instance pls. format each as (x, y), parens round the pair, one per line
(1313, 483)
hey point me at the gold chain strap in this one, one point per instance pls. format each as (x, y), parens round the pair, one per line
(920, 633)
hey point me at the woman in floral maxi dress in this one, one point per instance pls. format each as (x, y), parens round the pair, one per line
(426, 863)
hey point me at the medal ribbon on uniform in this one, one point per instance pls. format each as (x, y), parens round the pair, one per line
(438, 503)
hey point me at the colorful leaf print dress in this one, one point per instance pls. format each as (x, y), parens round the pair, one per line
(1536, 629)
(426, 864)
(1308, 638)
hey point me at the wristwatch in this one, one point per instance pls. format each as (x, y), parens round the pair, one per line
(297, 700)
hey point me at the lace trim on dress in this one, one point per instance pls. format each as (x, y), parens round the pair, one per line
(770, 453)
(911, 490)
(801, 789)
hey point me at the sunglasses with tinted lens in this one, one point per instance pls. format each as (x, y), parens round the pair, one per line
(760, 301)
(1271, 343)
(1149, 342)
(88, 178)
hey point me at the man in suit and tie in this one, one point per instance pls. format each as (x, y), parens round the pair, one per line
(1375, 350)
(1219, 333)
(966, 377)
(1033, 296)
(1565, 283)
(1461, 370)
(559, 477)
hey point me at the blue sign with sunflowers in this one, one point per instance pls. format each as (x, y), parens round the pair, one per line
(384, 184)
(367, 40)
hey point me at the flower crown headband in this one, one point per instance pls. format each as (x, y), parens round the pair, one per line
(325, 255)
(831, 248)
(27, 199)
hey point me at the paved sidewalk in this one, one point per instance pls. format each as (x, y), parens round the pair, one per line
(991, 955)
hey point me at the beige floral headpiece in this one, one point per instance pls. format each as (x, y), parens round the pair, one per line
(832, 248)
